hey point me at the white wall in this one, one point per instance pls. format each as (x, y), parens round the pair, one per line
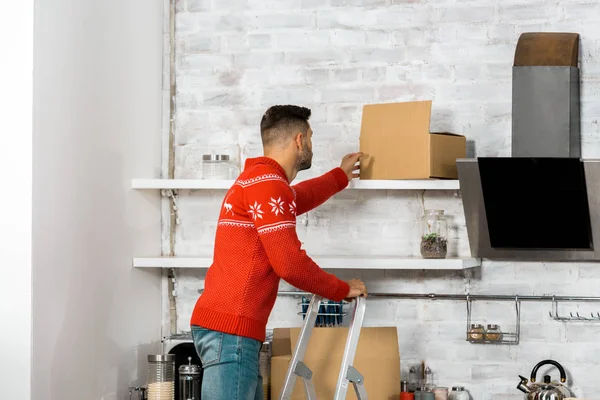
(97, 122)
(16, 80)
(236, 58)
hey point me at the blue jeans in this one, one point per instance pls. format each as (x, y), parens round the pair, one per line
(231, 365)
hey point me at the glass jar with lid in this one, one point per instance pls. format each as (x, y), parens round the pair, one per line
(493, 333)
(476, 333)
(434, 234)
(161, 377)
(218, 166)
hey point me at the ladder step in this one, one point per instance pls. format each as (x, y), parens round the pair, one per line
(358, 382)
(303, 371)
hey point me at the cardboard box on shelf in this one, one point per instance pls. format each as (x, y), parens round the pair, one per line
(377, 359)
(397, 143)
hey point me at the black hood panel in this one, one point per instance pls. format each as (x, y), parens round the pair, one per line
(536, 203)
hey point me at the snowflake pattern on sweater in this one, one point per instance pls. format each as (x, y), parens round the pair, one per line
(276, 206)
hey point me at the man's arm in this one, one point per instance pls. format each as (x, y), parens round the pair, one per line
(272, 207)
(312, 193)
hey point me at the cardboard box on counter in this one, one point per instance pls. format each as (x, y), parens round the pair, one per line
(397, 144)
(377, 359)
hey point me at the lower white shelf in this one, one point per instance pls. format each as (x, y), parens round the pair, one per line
(326, 262)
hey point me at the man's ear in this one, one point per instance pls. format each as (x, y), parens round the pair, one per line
(298, 140)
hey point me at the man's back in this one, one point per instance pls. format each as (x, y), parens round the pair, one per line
(256, 245)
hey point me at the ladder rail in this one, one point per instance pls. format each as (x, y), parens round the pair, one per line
(350, 351)
(301, 345)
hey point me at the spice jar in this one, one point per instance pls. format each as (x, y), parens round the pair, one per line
(440, 393)
(476, 333)
(434, 233)
(161, 377)
(413, 381)
(428, 379)
(493, 333)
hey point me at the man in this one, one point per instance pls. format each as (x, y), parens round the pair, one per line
(256, 245)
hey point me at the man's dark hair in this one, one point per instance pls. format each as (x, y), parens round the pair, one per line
(280, 122)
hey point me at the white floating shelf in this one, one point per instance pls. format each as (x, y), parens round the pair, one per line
(183, 184)
(427, 184)
(325, 262)
(197, 184)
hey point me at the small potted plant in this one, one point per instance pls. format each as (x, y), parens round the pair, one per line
(433, 238)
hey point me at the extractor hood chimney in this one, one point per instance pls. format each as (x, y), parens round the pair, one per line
(543, 203)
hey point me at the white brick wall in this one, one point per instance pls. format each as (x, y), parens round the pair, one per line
(237, 57)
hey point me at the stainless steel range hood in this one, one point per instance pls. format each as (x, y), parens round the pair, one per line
(543, 203)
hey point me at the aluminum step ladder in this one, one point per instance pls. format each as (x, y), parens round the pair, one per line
(348, 373)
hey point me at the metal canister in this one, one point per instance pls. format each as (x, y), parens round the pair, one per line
(161, 377)
(189, 381)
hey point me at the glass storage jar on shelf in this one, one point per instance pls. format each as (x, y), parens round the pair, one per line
(434, 234)
(218, 166)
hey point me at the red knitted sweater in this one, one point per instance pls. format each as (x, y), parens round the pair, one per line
(256, 245)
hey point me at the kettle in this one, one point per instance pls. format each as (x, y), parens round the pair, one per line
(546, 390)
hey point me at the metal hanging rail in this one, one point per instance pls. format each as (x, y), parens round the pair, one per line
(460, 297)
(456, 297)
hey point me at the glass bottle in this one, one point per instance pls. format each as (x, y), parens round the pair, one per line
(428, 382)
(412, 379)
(434, 234)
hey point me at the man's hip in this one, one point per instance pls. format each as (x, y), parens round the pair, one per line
(230, 364)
